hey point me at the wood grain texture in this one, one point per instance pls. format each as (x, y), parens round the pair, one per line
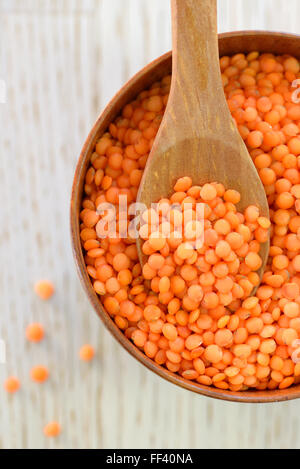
(62, 61)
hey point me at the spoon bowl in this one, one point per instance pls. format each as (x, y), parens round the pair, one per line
(229, 44)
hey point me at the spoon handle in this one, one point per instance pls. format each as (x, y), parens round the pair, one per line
(197, 89)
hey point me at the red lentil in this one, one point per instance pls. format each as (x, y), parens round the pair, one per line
(44, 289)
(52, 429)
(11, 384)
(86, 353)
(35, 332)
(39, 374)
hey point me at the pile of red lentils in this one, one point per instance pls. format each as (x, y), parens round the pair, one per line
(193, 311)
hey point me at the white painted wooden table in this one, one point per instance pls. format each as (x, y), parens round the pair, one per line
(61, 61)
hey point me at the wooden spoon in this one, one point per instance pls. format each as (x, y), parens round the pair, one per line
(197, 136)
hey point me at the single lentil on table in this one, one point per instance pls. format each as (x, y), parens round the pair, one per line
(52, 429)
(86, 353)
(35, 332)
(192, 311)
(39, 373)
(44, 289)
(12, 384)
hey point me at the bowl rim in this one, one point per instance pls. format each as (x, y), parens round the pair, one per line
(265, 396)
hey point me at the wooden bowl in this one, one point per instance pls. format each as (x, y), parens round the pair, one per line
(229, 44)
